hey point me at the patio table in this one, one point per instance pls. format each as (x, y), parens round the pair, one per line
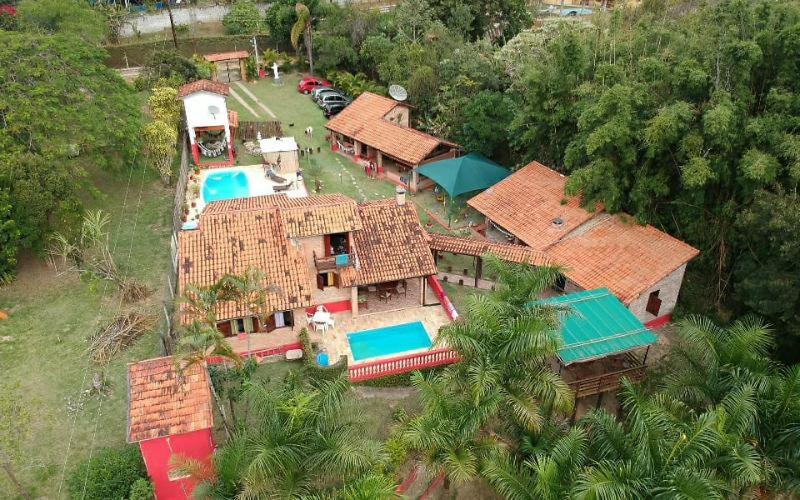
(321, 319)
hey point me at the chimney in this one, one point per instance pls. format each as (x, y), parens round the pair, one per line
(400, 195)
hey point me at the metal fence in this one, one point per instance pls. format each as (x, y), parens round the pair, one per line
(167, 333)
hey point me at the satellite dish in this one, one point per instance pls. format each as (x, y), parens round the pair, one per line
(398, 93)
(213, 110)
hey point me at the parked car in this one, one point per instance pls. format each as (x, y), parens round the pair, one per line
(333, 108)
(332, 98)
(319, 92)
(308, 83)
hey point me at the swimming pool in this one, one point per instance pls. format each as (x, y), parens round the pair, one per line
(225, 186)
(389, 340)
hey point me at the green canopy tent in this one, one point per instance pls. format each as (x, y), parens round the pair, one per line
(466, 174)
(597, 325)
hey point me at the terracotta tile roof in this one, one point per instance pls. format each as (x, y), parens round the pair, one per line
(363, 120)
(321, 215)
(301, 217)
(466, 246)
(528, 201)
(203, 86)
(614, 251)
(230, 242)
(224, 56)
(233, 118)
(160, 403)
(391, 246)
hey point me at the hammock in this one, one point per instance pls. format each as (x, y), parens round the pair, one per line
(211, 152)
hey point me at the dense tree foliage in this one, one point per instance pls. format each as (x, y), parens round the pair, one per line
(62, 111)
(110, 473)
(243, 19)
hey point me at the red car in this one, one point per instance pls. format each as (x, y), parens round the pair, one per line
(308, 83)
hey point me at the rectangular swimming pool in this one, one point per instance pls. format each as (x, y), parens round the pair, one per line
(395, 339)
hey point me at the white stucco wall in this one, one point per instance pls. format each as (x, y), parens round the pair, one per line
(197, 115)
(668, 290)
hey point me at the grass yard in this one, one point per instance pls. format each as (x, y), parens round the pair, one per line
(458, 294)
(50, 319)
(296, 112)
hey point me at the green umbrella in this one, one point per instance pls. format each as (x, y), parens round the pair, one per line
(465, 174)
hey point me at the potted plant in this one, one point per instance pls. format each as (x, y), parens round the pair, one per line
(185, 208)
(194, 190)
(196, 169)
(362, 301)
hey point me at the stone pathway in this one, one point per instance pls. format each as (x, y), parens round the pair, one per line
(255, 99)
(352, 177)
(244, 103)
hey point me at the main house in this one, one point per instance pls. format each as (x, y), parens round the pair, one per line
(325, 250)
(641, 265)
(377, 129)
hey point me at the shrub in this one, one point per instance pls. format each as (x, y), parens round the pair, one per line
(109, 474)
(243, 19)
(142, 489)
(171, 66)
(9, 239)
(396, 453)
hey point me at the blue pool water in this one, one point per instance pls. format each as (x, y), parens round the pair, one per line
(390, 340)
(225, 186)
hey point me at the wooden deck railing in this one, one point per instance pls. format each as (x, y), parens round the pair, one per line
(329, 263)
(605, 382)
(403, 364)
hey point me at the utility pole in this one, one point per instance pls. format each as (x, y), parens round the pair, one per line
(172, 23)
(255, 49)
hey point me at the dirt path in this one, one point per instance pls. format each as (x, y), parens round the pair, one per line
(255, 99)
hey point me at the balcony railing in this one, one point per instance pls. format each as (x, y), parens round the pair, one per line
(332, 263)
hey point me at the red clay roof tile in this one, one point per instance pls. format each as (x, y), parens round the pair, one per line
(363, 120)
(203, 86)
(163, 403)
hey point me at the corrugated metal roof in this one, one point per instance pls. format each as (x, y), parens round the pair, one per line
(598, 325)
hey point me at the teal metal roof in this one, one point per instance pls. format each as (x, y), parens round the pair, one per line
(597, 325)
(465, 174)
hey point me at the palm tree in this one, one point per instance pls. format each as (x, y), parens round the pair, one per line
(450, 433)
(201, 302)
(663, 449)
(729, 369)
(548, 471)
(200, 343)
(506, 341)
(302, 27)
(299, 442)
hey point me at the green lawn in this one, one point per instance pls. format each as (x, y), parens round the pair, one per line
(458, 294)
(52, 315)
(296, 112)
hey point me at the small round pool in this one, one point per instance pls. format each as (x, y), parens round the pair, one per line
(225, 186)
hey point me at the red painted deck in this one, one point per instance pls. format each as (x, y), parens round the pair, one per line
(402, 364)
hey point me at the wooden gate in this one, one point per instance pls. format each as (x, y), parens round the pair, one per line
(228, 71)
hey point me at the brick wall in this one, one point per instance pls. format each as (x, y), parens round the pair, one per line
(668, 288)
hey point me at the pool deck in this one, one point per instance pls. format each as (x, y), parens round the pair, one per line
(335, 339)
(257, 181)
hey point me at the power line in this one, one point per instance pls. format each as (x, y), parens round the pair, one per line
(88, 364)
